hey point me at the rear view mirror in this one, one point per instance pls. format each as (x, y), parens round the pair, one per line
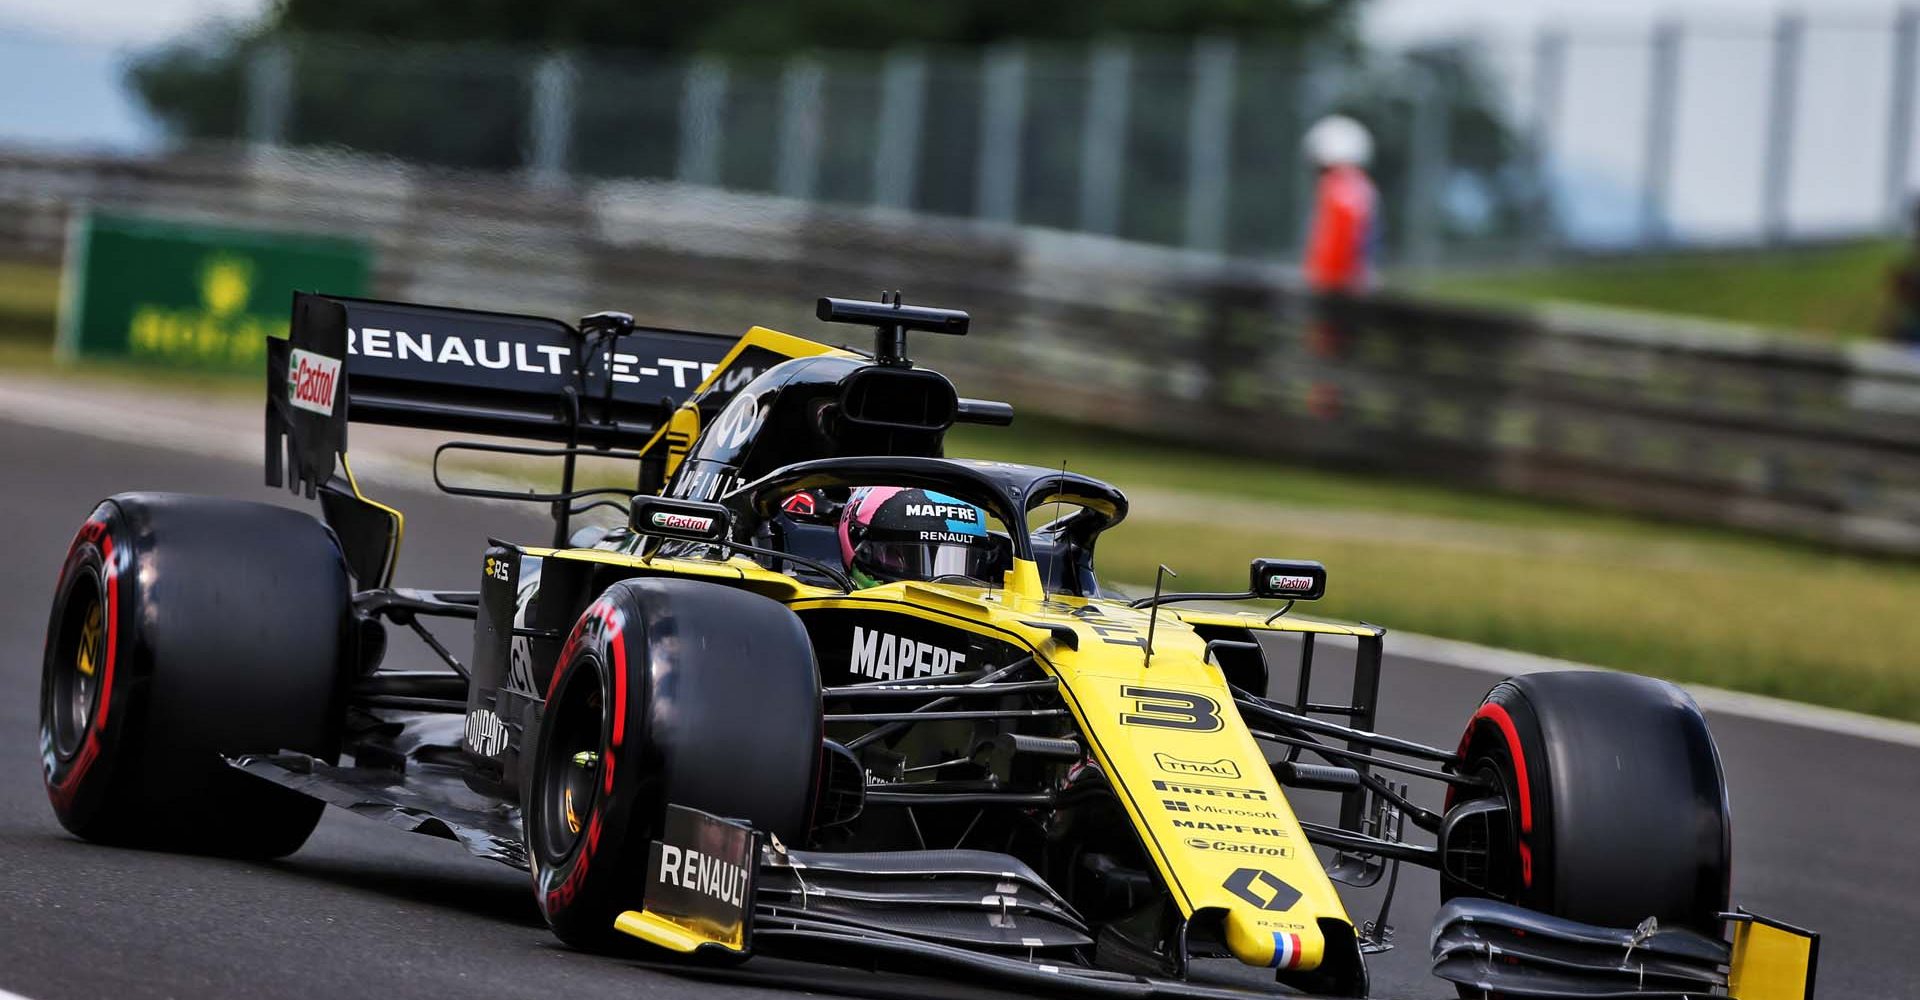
(1289, 579)
(691, 520)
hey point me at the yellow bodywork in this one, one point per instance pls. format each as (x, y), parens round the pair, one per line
(1209, 812)
(1771, 962)
(1164, 730)
(675, 935)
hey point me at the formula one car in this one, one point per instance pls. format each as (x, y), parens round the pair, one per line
(825, 692)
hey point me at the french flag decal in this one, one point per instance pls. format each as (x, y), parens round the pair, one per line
(1286, 950)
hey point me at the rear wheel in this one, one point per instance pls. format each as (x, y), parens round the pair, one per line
(667, 691)
(184, 629)
(1614, 806)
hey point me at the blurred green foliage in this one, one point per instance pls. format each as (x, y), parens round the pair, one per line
(771, 27)
(196, 84)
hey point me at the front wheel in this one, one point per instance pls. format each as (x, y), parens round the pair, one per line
(667, 691)
(1609, 803)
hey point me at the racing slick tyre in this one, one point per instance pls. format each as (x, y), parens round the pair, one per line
(667, 691)
(1616, 809)
(185, 628)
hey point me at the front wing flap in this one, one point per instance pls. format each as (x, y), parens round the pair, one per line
(1501, 948)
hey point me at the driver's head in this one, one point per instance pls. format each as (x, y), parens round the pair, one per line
(890, 533)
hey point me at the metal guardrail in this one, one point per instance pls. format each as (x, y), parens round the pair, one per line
(1683, 419)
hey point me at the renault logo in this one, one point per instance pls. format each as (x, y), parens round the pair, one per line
(1262, 888)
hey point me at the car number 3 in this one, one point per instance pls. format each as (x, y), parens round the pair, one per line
(1170, 709)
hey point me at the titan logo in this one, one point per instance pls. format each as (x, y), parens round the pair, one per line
(886, 657)
(1222, 768)
(1210, 791)
(1262, 888)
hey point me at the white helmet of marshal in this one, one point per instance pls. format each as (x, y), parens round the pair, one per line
(1338, 141)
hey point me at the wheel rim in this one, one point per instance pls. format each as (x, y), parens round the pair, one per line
(79, 656)
(571, 768)
(1497, 844)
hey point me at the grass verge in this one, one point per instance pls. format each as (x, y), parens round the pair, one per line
(29, 294)
(1839, 291)
(1690, 603)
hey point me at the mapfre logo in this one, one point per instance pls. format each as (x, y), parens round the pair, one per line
(886, 657)
(1222, 768)
(311, 380)
(952, 512)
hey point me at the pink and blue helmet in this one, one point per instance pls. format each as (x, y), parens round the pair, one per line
(890, 533)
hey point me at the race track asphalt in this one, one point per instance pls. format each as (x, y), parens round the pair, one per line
(1827, 826)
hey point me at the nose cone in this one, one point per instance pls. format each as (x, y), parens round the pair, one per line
(1274, 941)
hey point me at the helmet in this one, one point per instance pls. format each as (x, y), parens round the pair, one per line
(890, 533)
(1337, 140)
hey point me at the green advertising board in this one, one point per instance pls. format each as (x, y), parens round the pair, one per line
(190, 296)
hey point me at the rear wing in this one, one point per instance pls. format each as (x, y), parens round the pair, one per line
(348, 360)
(361, 360)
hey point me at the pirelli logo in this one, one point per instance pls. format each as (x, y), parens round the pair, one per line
(1210, 791)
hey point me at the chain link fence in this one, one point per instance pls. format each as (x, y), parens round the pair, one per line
(1494, 149)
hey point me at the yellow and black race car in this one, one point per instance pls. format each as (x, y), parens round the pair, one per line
(825, 692)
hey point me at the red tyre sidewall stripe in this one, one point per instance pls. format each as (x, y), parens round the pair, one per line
(112, 577)
(68, 786)
(615, 641)
(1496, 714)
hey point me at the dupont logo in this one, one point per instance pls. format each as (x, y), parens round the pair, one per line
(1281, 581)
(1223, 768)
(311, 379)
(681, 522)
(486, 734)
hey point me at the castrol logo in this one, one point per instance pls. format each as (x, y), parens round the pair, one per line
(310, 381)
(681, 522)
